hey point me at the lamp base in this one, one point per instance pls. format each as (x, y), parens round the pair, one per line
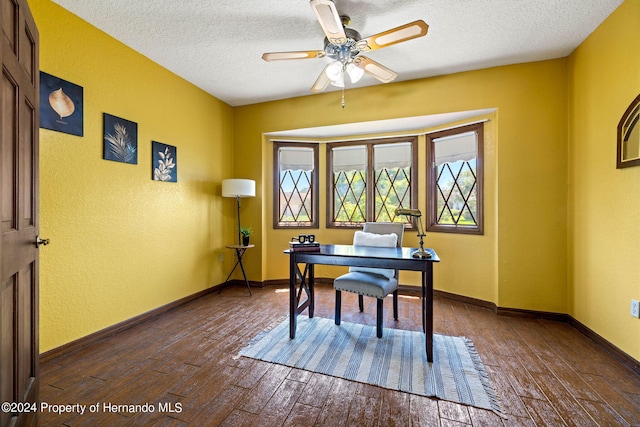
(421, 253)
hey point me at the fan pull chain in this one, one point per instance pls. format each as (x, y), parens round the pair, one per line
(343, 97)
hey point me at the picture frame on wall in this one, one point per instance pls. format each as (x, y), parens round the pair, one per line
(120, 139)
(61, 105)
(628, 140)
(164, 165)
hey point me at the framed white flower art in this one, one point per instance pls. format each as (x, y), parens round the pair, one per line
(165, 162)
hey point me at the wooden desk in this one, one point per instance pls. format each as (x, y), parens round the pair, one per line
(240, 250)
(358, 256)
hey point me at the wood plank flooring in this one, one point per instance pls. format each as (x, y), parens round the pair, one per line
(184, 364)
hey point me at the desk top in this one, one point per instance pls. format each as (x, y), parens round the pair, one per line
(365, 256)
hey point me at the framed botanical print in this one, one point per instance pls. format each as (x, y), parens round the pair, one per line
(120, 139)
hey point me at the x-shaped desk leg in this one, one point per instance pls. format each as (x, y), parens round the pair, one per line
(305, 278)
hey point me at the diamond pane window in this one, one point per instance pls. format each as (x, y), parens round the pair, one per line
(370, 180)
(392, 173)
(295, 201)
(455, 180)
(349, 184)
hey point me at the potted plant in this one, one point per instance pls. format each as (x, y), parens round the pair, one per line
(245, 232)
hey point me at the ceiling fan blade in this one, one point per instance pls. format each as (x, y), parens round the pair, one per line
(303, 54)
(400, 34)
(321, 82)
(329, 20)
(374, 69)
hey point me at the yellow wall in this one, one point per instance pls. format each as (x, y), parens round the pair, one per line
(122, 244)
(604, 230)
(521, 259)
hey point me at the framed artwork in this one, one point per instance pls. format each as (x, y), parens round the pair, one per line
(165, 162)
(628, 151)
(61, 105)
(120, 139)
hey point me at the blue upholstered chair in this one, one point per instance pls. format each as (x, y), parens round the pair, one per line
(372, 282)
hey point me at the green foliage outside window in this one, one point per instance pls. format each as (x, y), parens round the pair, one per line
(350, 199)
(392, 191)
(457, 195)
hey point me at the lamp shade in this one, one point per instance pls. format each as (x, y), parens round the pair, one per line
(238, 188)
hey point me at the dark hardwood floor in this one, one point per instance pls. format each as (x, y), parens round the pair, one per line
(546, 373)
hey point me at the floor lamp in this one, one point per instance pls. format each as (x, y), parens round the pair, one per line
(238, 188)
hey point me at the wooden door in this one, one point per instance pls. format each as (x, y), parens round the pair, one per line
(19, 111)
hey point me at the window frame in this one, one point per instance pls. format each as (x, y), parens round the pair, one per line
(370, 190)
(315, 179)
(431, 177)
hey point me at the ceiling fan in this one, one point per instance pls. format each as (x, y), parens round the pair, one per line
(343, 45)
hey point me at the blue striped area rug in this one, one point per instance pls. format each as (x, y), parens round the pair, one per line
(396, 361)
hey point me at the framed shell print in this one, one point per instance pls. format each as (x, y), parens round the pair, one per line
(61, 105)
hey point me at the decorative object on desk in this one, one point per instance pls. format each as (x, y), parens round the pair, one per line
(120, 139)
(420, 253)
(246, 233)
(61, 105)
(238, 188)
(397, 361)
(305, 238)
(164, 162)
(629, 136)
(304, 247)
(304, 242)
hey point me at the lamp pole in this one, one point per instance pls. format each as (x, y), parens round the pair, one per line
(238, 188)
(239, 235)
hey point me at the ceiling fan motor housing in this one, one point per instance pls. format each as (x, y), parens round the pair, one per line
(344, 52)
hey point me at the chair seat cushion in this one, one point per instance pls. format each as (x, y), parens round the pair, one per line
(368, 284)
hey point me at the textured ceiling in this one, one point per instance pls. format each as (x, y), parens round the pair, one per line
(217, 45)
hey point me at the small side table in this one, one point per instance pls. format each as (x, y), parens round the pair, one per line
(240, 250)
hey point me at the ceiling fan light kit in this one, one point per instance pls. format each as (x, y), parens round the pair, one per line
(355, 73)
(343, 46)
(334, 71)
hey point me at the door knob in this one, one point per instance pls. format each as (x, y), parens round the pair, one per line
(41, 242)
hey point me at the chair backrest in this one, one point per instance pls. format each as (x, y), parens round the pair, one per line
(382, 228)
(385, 228)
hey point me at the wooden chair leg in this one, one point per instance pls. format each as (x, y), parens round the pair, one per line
(395, 305)
(379, 312)
(361, 303)
(338, 303)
